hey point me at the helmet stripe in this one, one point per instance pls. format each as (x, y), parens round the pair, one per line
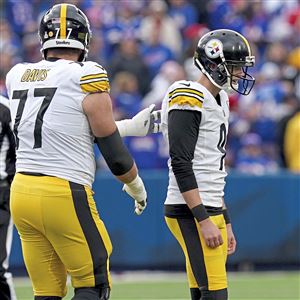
(246, 42)
(63, 21)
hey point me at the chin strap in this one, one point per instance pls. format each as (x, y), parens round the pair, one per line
(228, 89)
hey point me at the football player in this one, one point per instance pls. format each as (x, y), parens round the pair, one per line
(59, 107)
(7, 171)
(195, 124)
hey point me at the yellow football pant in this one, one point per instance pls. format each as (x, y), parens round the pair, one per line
(61, 233)
(205, 266)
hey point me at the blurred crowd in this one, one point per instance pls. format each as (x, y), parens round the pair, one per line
(146, 45)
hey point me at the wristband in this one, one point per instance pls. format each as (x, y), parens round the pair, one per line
(226, 216)
(199, 212)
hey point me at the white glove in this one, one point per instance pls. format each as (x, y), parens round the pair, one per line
(143, 123)
(137, 191)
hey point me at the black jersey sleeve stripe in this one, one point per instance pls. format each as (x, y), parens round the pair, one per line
(100, 67)
(93, 76)
(183, 130)
(93, 80)
(187, 90)
(186, 95)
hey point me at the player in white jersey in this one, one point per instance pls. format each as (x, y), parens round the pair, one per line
(60, 106)
(48, 118)
(195, 124)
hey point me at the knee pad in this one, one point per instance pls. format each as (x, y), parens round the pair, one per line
(47, 298)
(213, 295)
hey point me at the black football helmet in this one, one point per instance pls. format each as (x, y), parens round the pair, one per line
(224, 57)
(65, 26)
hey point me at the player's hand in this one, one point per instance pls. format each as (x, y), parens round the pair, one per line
(147, 121)
(137, 191)
(155, 121)
(211, 233)
(230, 240)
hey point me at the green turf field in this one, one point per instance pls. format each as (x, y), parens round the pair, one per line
(145, 286)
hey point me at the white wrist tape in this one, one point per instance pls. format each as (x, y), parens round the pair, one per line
(136, 184)
(136, 189)
(125, 127)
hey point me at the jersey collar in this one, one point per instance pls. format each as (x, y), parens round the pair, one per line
(53, 58)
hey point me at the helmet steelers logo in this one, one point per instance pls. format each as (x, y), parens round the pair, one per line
(213, 48)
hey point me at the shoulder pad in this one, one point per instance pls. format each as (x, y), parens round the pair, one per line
(184, 93)
(94, 78)
(13, 70)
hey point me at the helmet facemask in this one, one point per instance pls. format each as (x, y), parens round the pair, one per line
(224, 57)
(238, 78)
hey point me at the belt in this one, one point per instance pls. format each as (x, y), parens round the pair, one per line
(33, 174)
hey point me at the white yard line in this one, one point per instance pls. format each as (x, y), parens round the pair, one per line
(153, 276)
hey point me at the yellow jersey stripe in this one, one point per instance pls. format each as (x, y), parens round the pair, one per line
(185, 100)
(63, 21)
(183, 90)
(93, 76)
(186, 95)
(94, 87)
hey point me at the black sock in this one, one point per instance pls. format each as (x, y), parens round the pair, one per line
(86, 293)
(104, 293)
(92, 293)
(195, 294)
(214, 295)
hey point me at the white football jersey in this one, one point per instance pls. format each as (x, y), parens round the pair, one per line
(52, 132)
(208, 162)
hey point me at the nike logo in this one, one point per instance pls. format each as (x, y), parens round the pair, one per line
(186, 84)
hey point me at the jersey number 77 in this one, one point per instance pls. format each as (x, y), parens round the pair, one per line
(48, 94)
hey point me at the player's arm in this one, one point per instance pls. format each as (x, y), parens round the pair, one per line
(98, 109)
(231, 241)
(183, 130)
(94, 79)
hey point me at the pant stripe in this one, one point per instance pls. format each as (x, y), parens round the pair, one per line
(189, 232)
(91, 233)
